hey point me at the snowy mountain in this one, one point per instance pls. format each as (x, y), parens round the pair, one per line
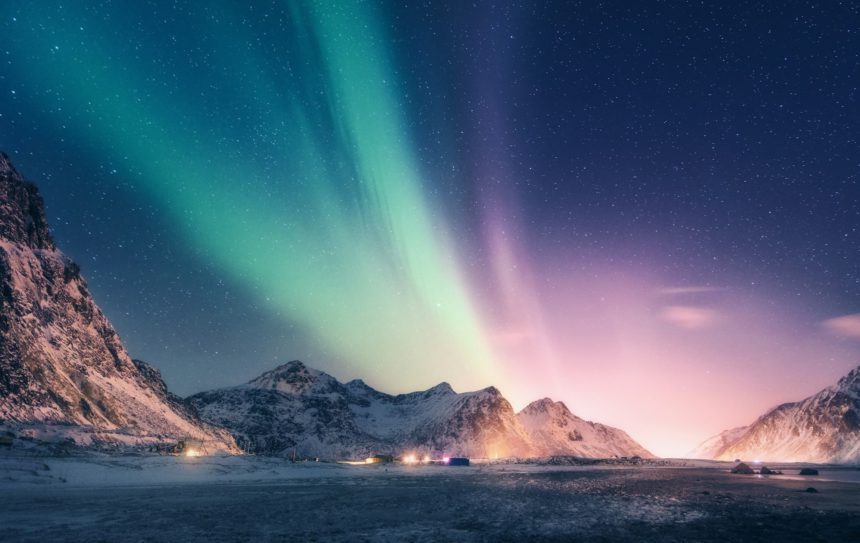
(822, 428)
(63, 369)
(553, 429)
(294, 408)
(712, 446)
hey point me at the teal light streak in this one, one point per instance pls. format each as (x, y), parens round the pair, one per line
(342, 240)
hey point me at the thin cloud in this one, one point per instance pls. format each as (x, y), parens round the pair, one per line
(671, 291)
(690, 317)
(844, 326)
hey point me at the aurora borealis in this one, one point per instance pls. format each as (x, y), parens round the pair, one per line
(649, 213)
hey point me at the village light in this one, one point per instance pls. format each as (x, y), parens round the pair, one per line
(426, 458)
(410, 459)
(446, 459)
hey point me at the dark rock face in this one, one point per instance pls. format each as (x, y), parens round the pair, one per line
(22, 212)
(61, 361)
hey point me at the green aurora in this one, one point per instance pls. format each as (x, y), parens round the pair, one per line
(340, 238)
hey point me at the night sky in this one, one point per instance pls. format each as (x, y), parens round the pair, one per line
(648, 210)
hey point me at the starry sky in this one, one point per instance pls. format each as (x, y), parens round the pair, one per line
(647, 210)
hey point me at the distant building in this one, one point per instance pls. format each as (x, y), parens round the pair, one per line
(379, 459)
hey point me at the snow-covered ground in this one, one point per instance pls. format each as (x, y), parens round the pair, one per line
(155, 498)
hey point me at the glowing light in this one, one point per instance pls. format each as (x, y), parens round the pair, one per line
(410, 459)
(426, 458)
(193, 452)
(446, 459)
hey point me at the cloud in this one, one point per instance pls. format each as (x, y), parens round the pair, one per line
(690, 317)
(845, 326)
(671, 291)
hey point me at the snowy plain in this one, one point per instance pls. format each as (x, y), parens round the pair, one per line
(235, 498)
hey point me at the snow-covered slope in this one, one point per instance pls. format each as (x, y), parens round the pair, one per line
(61, 362)
(296, 409)
(552, 428)
(822, 428)
(711, 447)
(291, 409)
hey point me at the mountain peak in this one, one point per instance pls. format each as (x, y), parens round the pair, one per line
(22, 211)
(294, 377)
(442, 388)
(544, 405)
(6, 164)
(491, 391)
(850, 384)
(292, 365)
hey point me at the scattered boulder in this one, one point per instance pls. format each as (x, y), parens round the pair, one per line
(811, 490)
(767, 471)
(808, 471)
(743, 469)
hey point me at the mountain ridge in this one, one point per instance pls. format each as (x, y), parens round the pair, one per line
(309, 410)
(823, 427)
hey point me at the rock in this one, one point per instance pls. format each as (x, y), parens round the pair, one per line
(808, 471)
(811, 490)
(743, 469)
(767, 471)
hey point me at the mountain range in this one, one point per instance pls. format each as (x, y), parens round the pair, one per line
(294, 408)
(824, 427)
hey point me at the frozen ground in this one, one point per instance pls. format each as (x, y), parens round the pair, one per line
(213, 499)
